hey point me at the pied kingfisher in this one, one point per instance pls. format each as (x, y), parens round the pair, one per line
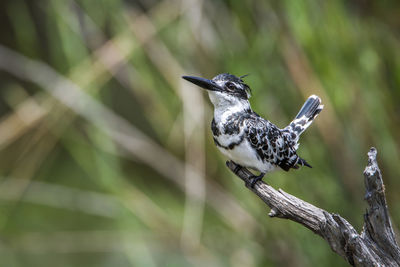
(246, 138)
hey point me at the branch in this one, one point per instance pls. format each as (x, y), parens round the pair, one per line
(375, 246)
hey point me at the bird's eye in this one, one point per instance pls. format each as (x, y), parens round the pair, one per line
(230, 86)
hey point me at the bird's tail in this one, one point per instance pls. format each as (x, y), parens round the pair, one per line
(311, 108)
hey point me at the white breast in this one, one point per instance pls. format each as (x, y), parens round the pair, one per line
(244, 155)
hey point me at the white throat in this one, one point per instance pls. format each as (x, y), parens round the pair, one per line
(226, 105)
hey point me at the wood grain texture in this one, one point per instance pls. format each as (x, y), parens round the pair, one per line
(376, 244)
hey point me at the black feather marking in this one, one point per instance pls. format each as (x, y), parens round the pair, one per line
(231, 145)
(303, 162)
(309, 108)
(298, 129)
(214, 128)
(285, 165)
(216, 142)
(302, 122)
(243, 90)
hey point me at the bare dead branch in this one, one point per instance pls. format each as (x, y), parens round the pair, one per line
(375, 246)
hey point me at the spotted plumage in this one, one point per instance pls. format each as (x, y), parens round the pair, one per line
(248, 139)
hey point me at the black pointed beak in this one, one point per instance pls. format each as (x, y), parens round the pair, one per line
(204, 83)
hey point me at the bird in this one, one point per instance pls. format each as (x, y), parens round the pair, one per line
(246, 138)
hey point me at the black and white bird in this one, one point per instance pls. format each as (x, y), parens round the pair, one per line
(248, 139)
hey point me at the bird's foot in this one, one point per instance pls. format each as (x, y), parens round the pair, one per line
(252, 180)
(255, 178)
(237, 168)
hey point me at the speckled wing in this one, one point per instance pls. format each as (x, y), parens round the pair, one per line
(271, 144)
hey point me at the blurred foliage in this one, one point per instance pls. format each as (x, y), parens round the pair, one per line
(75, 193)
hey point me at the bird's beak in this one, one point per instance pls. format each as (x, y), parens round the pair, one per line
(204, 83)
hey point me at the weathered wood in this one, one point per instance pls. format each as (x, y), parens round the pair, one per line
(375, 246)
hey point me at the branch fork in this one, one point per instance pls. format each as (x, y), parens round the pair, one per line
(376, 244)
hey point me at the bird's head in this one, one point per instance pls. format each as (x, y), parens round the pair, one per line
(224, 88)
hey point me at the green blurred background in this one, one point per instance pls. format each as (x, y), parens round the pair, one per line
(106, 153)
